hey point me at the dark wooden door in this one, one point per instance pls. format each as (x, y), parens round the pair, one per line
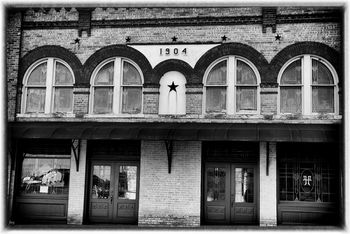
(243, 194)
(230, 193)
(114, 192)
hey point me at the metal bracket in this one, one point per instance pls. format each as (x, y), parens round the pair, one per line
(169, 151)
(267, 157)
(76, 151)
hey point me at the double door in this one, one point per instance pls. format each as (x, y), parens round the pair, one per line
(230, 193)
(114, 192)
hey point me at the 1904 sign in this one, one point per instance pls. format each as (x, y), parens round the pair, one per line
(172, 51)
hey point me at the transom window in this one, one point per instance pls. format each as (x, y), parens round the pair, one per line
(231, 86)
(48, 87)
(308, 85)
(116, 87)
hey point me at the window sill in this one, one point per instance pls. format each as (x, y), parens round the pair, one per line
(114, 116)
(49, 115)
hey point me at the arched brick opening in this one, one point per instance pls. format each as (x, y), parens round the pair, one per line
(118, 51)
(173, 65)
(55, 52)
(238, 49)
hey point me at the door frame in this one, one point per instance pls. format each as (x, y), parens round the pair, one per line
(230, 165)
(114, 164)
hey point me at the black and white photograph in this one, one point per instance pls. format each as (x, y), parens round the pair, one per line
(175, 116)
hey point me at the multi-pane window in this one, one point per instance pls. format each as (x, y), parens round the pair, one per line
(116, 88)
(308, 85)
(45, 174)
(308, 176)
(231, 86)
(48, 87)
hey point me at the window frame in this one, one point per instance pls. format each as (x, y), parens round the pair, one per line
(232, 86)
(306, 85)
(117, 85)
(49, 86)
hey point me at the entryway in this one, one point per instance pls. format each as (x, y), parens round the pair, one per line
(230, 193)
(114, 192)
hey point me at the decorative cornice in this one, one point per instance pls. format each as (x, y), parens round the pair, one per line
(50, 25)
(309, 18)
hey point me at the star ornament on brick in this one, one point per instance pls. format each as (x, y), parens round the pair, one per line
(224, 38)
(172, 87)
(174, 39)
(127, 39)
(278, 37)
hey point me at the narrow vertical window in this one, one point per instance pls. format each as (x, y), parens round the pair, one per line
(103, 90)
(322, 88)
(132, 89)
(63, 99)
(290, 87)
(246, 85)
(36, 89)
(216, 88)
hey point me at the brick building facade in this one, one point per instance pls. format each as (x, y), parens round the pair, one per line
(250, 131)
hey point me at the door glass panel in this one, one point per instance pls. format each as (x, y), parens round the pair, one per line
(244, 185)
(101, 182)
(127, 182)
(216, 184)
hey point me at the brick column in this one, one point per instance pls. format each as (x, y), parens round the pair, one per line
(268, 185)
(170, 199)
(77, 187)
(13, 50)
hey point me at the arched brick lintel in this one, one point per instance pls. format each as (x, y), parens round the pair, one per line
(173, 65)
(314, 48)
(51, 51)
(117, 51)
(238, 49)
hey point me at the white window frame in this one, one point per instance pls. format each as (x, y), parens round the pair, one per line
(49, 87)
(231, 86)
(117, 87)
(306, 85)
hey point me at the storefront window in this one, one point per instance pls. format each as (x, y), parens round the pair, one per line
(45, 174)
(127, 182)
(216, 184)
(307, 178)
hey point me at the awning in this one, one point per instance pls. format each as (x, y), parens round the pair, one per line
(276, 132)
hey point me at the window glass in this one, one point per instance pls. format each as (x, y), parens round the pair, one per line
(132, 100)
(35, 100)
(291, 100)
(216, 179)
(216, 99)
(323, 99)
(320, 73)
(246, 98)
(45, 175)
(103, 99)
(244, 185)
(131, 75)
(217, 75)
(292, 74)
(245, 74)
(63, 99)
(127, 182)
(105, 75)
(38, 75)
(101, 182)
(62, 75)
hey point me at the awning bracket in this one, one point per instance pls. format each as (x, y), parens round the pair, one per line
(267, 157)
(76, 151)
(169, 151)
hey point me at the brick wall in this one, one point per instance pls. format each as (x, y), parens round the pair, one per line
(13, 39)
(51, 14)
(268, 185)
(77, 187)
(170, 199)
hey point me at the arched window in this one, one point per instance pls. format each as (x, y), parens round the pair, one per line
(231, 86)
(116, 87)
(48, 87)
(308, 86)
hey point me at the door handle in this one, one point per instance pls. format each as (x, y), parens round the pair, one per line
(111, 199)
